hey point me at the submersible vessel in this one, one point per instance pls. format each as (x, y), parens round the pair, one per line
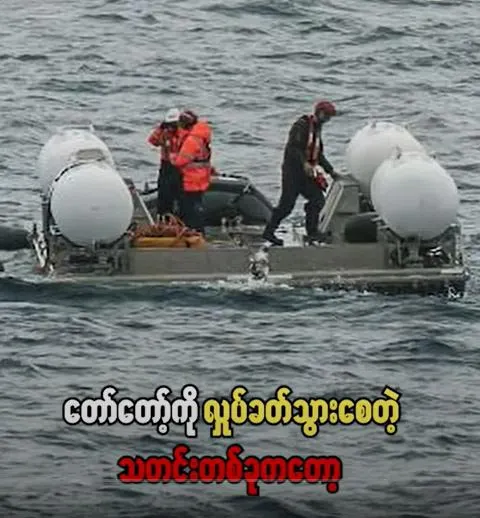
(389, 223)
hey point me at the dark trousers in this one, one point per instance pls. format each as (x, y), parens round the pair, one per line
(192, 211)
(295, 183)
(169, 186)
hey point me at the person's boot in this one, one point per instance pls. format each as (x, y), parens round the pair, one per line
(272, 238)
(314, 239)
(269, 235)
(269, 232)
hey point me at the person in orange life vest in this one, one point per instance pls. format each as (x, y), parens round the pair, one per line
(193, 162)
(168, 136)
(300, 173)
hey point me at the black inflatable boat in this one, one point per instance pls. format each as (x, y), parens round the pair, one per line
(228, 196)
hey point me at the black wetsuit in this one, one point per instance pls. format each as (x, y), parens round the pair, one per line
(295, 181)
(170, 190)
(192, 211)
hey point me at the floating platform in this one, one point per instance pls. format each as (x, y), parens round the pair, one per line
(358, 251)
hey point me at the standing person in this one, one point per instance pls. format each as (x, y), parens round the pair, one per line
(168, 136)
(193, 162)
(302, 156)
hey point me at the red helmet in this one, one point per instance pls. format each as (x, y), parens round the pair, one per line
(326, 107)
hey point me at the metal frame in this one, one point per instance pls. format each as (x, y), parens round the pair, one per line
(390, 264)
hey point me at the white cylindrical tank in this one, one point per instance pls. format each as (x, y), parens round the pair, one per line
(371, 145)
(414, 195)
(63, 147)
(90, 202)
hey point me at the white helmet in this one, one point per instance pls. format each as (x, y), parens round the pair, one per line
(173, 115)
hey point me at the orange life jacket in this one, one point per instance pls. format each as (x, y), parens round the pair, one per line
(168, 140)
(193, 158)
(314, 142)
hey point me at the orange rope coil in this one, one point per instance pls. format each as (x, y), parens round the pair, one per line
(171, 232)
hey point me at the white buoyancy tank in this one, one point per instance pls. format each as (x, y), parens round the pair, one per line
(371, 145)
(414, 195)
(90, 202)
(63, 147)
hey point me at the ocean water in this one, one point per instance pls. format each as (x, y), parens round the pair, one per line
(251, 67)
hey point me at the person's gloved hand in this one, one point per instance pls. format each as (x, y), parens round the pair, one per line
(321, 181)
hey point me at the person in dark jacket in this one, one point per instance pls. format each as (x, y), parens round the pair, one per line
(168, 137)
(302, 156)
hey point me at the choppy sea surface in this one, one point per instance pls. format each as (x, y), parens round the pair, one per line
(251, 67)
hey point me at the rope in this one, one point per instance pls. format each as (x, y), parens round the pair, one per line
(170, 226)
